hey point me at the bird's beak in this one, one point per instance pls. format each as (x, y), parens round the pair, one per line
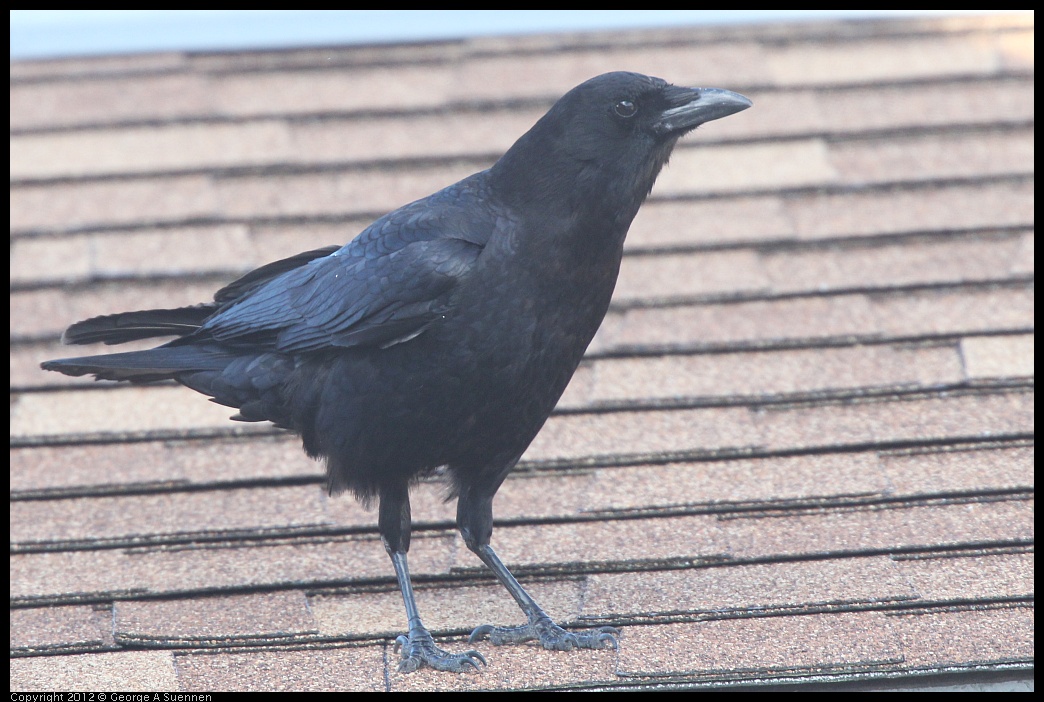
(691, 107)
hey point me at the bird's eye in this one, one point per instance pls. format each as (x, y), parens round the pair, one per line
(625, 108)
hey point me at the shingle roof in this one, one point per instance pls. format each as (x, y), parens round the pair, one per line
(800, 448)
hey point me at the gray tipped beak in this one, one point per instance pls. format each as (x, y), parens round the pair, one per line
(694, 106)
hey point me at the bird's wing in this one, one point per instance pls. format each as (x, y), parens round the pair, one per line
(384, 287)
(259, 276)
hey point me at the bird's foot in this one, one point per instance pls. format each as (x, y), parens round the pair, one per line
(418, 649)
(550, 635)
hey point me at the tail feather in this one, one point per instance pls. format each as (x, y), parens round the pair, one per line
(132, 326)
(146, 324)
(245, 376)
(163, 363)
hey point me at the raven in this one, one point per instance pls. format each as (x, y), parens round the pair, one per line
(443, 334)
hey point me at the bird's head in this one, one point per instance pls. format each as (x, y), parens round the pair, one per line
(609, 137)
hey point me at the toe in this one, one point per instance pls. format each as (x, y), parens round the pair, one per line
(480, 631)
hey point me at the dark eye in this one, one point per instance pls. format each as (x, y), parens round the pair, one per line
(625, 108)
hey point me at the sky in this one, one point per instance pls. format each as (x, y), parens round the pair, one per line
(63, 33)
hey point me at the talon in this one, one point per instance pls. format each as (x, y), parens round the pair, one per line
(569, 642)
(470, 661)
(419, 650)
(480, 631)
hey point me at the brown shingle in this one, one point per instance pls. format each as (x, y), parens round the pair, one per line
(979, 416)
(65, 206)
(720, 591)
(918, 105)
(57, 628)
(129, 410)
(983, 309)
(998, 356)
(145, 149)
(879, 528)
(910, 263)
(927, 471)
(924, 312)
(267, 617)
(95, 66)
(72, 102)
(333, 193)
(1024, 261)
(166, 463)
(355, 89)
(949, 577)
(70, 575)
(174, 513)
(756, 647)
(654, 278)
(966, 637)
(148, 251)
(717, 324)
(413, 136)
(125, 671)
(940, 207)
(351, 668)
(926, 157)
(873, 60)
(612, 541)
(634, 433)
(769, 479)
(760, 374)
(663, 224)
(723, 169)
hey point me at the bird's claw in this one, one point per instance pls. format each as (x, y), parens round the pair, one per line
(479, 632)
(419, 649)
(606, 634)
(550, 635)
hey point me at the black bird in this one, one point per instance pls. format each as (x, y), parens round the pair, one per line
(443, 334)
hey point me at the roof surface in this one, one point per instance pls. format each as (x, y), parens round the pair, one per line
(800, 448)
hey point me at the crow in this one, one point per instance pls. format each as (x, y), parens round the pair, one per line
(443, 335)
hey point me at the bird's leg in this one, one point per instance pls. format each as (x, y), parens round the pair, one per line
(475, 519)
(416, 647)
(540, 627)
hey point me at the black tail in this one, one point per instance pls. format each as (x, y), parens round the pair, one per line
(250, 379)
(163, 363)
(252, 383)
(146, 324)
(132, 326)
